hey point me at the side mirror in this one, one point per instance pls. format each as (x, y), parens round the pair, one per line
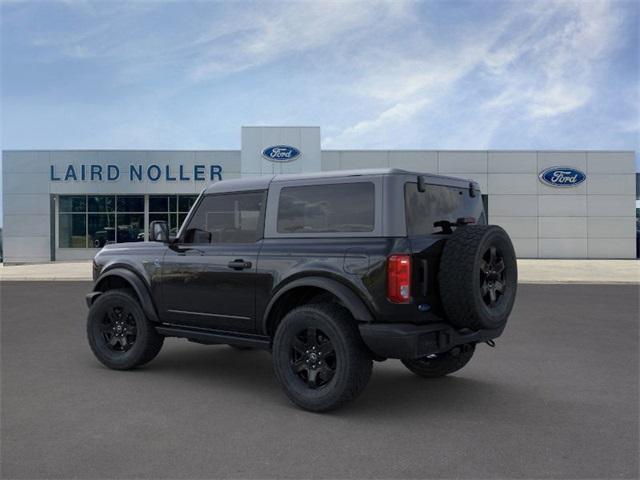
(159, 231)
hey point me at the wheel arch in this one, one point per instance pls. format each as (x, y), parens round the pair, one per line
(301, 291)
(123, 278)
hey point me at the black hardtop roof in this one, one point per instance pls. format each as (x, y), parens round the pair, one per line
(262, 182)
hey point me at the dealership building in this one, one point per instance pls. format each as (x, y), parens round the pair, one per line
(65, 204)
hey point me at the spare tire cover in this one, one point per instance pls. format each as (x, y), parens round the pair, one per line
(478, 277)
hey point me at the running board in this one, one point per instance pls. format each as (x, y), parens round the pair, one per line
(212, 337)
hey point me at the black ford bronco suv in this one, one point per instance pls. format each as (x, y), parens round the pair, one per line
(328, 271)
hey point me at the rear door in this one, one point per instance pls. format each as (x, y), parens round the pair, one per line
(425, 212)
(208, 277)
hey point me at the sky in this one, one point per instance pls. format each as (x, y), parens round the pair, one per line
(376, 74)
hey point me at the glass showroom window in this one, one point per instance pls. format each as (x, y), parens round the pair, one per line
(130, 218)
(172, 209)
(101, 220)
(95, 220)
(72, 221)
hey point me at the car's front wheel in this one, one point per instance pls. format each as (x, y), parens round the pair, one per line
(119, 333)
(319, 357)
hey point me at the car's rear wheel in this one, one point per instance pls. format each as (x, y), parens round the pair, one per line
(478, 277)
(119, 333)
(319, 357)
(441, 364)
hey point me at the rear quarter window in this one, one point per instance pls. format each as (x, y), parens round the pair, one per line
(329, 208)
(437, 203)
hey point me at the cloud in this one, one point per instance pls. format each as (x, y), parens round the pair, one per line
(229, 38)
(540, 60)
(550, 68)
(388, 74)
(261, 37)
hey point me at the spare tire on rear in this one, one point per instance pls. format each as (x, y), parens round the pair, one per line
(478, 277)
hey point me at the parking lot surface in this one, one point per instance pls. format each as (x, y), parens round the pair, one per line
(557, 398)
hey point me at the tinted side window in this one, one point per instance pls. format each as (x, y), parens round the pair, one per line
(340, 207)
(437, 203)
(229, 218)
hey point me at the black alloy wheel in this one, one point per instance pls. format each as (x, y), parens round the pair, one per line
(319, 357)
(313, 357)
(119, 329)
(119, 333)
(492, 284)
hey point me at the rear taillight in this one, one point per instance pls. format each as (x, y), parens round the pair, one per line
(399, 278)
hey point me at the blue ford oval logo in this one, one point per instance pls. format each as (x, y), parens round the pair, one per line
(281, 153)
(562, 177)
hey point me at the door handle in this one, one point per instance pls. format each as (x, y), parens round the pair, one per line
(239, 264)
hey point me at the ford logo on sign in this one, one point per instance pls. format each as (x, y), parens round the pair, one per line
(562, 177)
(281, 153)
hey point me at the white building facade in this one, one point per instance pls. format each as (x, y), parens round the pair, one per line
(66, 204)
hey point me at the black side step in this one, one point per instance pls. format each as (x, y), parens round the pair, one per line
(211, 337)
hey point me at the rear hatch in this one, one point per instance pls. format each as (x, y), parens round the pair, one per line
(434, 208)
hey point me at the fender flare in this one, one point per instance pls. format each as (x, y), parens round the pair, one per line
(138, 285)
(346, 295)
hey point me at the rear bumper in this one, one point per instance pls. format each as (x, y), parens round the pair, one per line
(405, 340)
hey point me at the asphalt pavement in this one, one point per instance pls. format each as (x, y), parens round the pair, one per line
(556, 398)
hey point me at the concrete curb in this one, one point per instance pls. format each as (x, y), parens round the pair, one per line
(544, 272)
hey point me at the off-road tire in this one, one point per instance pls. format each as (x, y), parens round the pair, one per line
(147, 343)
(462, 282)
(352, 360)
(441, 364)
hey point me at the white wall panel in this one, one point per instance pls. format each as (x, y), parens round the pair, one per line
(562, 205)
(229, 160)
(562, 159)
(26, 225)
(513, 162)
(16, 183)
(513, 183)
(415, 161)
(611, 162)
(612, 248)
(462, 161)
(612, 205)
(31, 161)
(517, 227)
(25, 204)
(600, 184)
(513, 206)
(525, 247)
(544, 189)
(481, 178)
(562, 227)
(26, 249)
(362, 159)
(562, 247)
(330, 160)
(612, 227)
